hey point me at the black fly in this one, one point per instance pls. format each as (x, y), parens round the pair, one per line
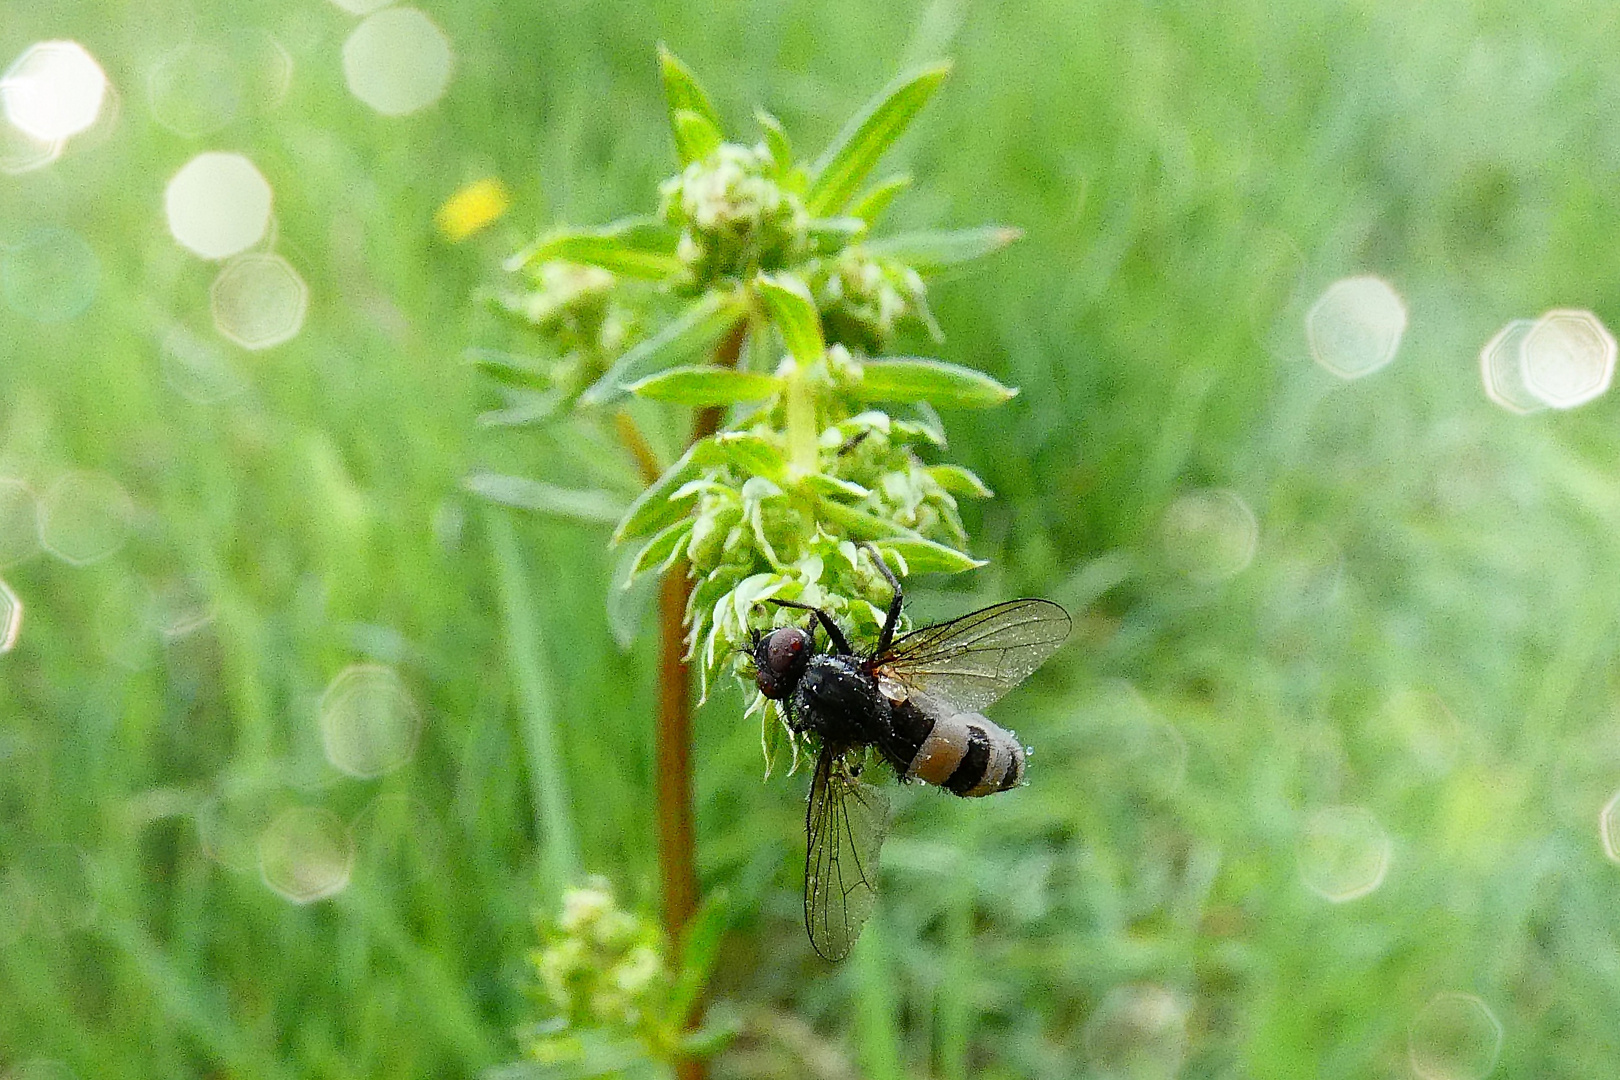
(919, 701)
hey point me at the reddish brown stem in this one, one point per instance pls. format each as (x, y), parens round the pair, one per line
(673, 739)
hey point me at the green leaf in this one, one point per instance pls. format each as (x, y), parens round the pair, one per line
(635, 247)
(696, 329)
(788, 301)
(831, 235)
(596, 507)
(833, 487)
(776, 140)
(857, 523)
(524, 407)
(855, 153)
(706, 384)
(933, 381)
(700, 947)
(695, 137)
(663, 549)
(959, 481)
(683, 93)
(523, 372)
(752, 454)
(654, 508)
(930, 252)
(870, 207)
(927, 557)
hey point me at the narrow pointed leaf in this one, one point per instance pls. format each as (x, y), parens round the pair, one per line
(681, 88)
(930, 252)
(776, 140)
(700, 947)
(636, 247)
(508, 369)
(828, 236)
(524, 407)
(933, 381)
(695, 137)
(694, 330)
(927, 557)
(959, 481)
(655, 508)
(706, 385)
(859, 524)
(753, 454)
(662, 549)
(855, 153)
(871, 206)
(597, 507)
(792, 309)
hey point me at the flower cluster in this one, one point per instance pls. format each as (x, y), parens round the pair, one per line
(734, 217)
(600, 969)
(863, 298)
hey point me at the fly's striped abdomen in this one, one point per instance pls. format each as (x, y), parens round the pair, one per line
(970, 755)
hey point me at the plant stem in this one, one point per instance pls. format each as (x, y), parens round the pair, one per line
(673, 737)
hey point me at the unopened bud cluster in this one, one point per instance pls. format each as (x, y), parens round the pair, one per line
(600, 967)
(734, 218)
(864, 297)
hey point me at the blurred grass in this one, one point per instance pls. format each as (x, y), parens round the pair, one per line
(1189, 177)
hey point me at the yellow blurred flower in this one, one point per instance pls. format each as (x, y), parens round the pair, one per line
(472, 208)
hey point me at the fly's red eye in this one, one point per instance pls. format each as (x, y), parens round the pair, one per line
(786, 649)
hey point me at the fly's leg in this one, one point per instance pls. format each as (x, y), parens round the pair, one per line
(836, 636)
(886, 638)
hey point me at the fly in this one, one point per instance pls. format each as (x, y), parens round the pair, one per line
(917, 700)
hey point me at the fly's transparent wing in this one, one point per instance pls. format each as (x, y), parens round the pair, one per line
(973, 660)
(845, 825)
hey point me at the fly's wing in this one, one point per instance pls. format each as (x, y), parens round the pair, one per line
(972, 661)
(845, 825)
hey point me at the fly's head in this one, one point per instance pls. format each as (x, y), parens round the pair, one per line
(780, 657)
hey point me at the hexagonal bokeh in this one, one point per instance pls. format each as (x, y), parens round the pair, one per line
(63, 89)
(1355, 326)
(397, 61)
(84, 518)
(218, 205)
(1609, 828)
(306, 854)
(1501, 368)
(1138, 1032)
(369, 722)
(11, 616)
(1210, 535)
(1343, 853)
(21, 152)
(259, 301)
(1568, 358)
(209, 83)
(50, 275)
(1454, 1037)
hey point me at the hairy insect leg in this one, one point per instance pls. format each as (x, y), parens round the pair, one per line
(886, 638)
(835, 635)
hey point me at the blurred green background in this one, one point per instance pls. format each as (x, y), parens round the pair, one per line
(1417, 667)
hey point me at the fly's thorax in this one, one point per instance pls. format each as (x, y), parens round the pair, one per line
(968, 754)
(841, 700)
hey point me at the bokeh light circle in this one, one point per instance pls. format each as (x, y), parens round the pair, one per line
(1344, 853)
(1136, 1033)
(11, 616)
(306, 854)
(1501, 369)
(84, 518)
(21, 152)
(209, 83)
(1609, 828)
(397, 61)
(259, 301)
(218, 205)
(1210, 535)
(1568, 358)
(50, 275)
(1355, 327)
(369, 722)
(63, 90)
(1454, 1037)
